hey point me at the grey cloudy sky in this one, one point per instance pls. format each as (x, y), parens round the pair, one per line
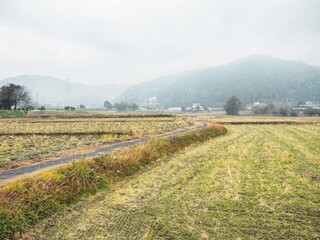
(127, 41)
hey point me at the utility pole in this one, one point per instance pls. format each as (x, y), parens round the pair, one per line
(68, 91)
(37, 97)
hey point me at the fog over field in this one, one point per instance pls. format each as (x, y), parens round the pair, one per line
(125, 42)
(159, 119)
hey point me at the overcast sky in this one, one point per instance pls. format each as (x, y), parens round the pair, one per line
(129, 41)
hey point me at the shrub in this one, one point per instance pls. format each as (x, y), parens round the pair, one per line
(260, 110)
(42, 108)
(283, 111)
(309, 111)
(69, 108)
(294, 114)
(233, 106)
(12, 114)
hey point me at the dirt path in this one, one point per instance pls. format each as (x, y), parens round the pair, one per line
(35, 168)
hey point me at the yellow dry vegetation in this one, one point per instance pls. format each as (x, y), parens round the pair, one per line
(261, 119)
(256, 182)
(94, 125)
(27, 201)
(78, 135)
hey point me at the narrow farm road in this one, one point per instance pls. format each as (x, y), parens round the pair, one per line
(9, 175)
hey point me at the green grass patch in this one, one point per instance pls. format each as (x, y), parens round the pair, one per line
(12, 114)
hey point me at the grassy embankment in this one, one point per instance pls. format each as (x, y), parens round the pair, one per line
(257, 182)
(27, 201)
(11, 114)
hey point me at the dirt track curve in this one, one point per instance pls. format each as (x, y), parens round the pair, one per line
(24, 171)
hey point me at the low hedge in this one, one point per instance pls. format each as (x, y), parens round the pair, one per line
(12, 114)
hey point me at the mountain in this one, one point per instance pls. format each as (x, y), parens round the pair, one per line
(256, 78)
(55, 92)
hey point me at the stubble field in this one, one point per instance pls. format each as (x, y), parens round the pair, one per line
(256, 182)
(25, 141)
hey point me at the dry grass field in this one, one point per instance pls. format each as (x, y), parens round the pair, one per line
(25, 141)
(261, 119)
(26, 201)
(256, 182)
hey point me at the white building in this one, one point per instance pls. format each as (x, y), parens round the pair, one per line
(175, 109)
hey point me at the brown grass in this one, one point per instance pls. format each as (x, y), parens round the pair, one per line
(25, 202)
(256, 182)
(67, 133)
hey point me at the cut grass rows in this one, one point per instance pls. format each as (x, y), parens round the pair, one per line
(29, 134)
(22, 142)
(21, 151)
(27, 201)
(257, 182)
(87, 120)
(102, 115)
(262, 119)
(93, 126)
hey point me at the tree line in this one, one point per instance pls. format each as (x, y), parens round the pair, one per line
(122, 106)
(233, 106)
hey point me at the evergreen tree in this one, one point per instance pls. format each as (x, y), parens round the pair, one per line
(233, 106)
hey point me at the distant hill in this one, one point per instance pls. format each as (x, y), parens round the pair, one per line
(56, 92)
(254, 78)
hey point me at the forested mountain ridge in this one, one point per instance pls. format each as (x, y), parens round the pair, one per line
(254, 78)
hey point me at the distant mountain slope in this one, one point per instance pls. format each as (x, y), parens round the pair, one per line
(254, 78)
(55, 92)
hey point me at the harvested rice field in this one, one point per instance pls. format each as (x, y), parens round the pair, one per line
(30, 140)
(256, 182)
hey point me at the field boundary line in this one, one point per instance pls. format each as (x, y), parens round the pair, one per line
(65, 133)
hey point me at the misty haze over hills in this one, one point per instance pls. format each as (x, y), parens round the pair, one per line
(110, 43)
(254, 78)
(59, 93)
(125, 42)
